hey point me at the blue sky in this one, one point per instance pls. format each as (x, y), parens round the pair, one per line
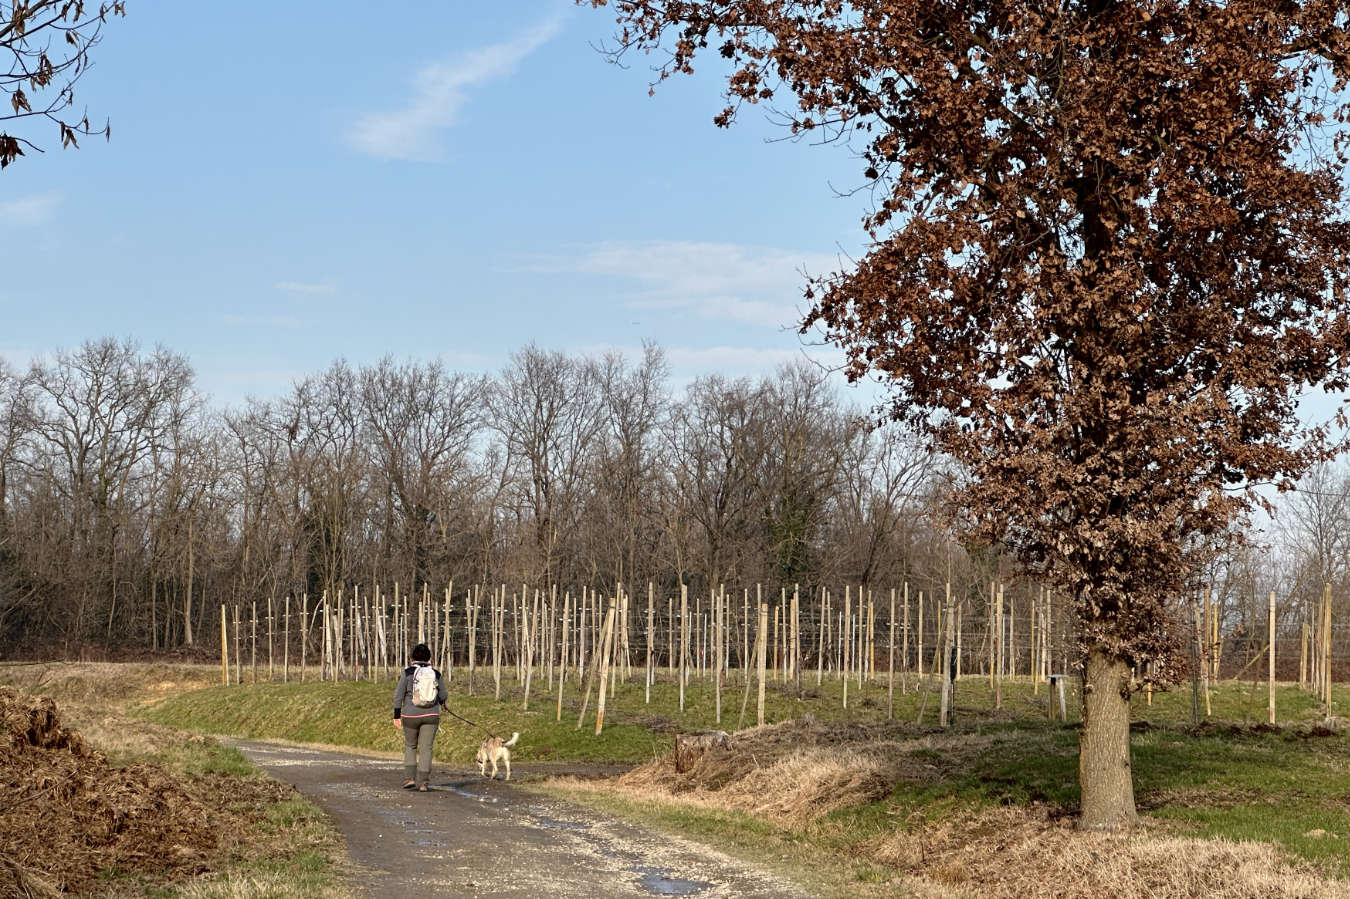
(289, 183)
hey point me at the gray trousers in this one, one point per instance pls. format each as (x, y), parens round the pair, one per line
(418, 735)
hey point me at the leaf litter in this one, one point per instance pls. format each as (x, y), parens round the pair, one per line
(69, 818)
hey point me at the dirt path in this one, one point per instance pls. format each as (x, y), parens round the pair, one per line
(472, 837)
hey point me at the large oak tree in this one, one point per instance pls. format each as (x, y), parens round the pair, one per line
(1107, 254)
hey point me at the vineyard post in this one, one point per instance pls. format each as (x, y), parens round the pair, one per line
(471, 623)
(651, 634)
(745, 633)
(871, 636)
(763, 654)
(496, 642)
(890, 664)
(269, 638)
(944, 661)
(224, 651)
(993, 641)
(1326, 651)
(1270, 672)
(846, 632)
(960, 615)
(920, 636)
(717, 655)
(592, 670)
(1207, 645)
(238, 658)
(777, 610)
(684, 637)
(606, 649)
(904, 640)
(531, 626)
(1032, 644)
(796, 665)
(1303, 654)
(562, 667)
(304, 634)
(998, 649)
(820, 638)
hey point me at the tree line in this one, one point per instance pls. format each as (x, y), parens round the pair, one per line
(130, 508)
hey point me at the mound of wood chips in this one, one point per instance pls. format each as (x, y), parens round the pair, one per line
(66, 815)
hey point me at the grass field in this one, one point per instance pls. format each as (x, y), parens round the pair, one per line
(933, 807)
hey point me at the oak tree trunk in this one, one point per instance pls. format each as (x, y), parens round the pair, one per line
(1104, 745)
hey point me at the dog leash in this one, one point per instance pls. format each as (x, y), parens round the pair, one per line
(472, 724)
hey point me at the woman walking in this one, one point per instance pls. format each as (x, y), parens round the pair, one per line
(418, 699)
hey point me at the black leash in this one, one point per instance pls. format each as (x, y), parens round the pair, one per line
(472, 724)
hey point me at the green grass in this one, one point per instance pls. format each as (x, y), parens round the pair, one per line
(1213, 781)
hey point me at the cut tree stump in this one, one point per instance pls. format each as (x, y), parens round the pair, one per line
(689, 748)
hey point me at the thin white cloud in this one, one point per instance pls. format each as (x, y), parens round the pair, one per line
(413, 131)
(25, 212)
(303, 287)
(730, 282)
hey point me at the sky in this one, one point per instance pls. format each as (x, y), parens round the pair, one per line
(290, 183)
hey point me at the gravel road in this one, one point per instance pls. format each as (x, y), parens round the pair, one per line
(471, 837)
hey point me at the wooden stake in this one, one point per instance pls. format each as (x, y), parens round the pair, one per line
(684, 639)
(224, 650)
(304, 633)
(944, 666)
(820, 635)
(1270, 672)
(998, 649)
(269, 638)
(763, 654)
(890, 664)
(904, 639)
(920, 633)
(651, 636)
(531, 626)
(562, 668)
(606, 647)
(718, 661)
(238, 667)
(286, 644)
(1303, 655)
(847, 624)
(1326, 650)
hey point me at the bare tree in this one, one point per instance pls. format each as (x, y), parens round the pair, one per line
(547, 409)
(48, 44)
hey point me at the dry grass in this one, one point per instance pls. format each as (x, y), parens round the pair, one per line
(792, 773)
(793, 776)
(265, 885)
(1013, 853)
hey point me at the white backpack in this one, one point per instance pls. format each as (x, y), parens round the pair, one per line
(424, 691)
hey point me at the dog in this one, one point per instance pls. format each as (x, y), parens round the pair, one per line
(494, 750)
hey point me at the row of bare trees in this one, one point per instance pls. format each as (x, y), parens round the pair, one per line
(129, 508)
